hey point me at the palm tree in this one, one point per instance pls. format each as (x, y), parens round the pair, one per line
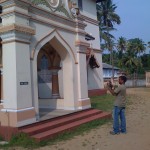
(148, 45)
(110, 45)
(121, 47)
(104, 34)
(137, 46)
(107, 18)
(106, 14)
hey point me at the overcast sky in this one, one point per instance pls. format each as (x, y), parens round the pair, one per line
(135, 19)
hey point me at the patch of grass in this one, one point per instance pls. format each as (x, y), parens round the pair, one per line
(20, 140)
(104, 102)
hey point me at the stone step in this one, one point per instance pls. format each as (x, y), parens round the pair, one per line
(37, 128)
(49, 128)
(54, 132)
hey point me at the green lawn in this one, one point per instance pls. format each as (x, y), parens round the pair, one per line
(104, 102)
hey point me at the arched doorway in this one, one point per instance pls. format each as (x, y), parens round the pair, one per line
(64, 69)
(48, 70)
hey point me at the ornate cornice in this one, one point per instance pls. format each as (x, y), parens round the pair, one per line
(16, 41)
(19, 28)
(35, 10)
(15, 12)
(10, 3)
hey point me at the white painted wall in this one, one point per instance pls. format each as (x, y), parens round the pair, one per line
(94, 31)
(89, 8)
(95, 76)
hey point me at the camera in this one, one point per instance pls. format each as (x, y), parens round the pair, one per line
(109, 84)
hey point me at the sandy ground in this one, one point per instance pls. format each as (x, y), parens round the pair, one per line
(138, 129)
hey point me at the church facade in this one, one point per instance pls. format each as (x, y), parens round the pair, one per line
(45, 52)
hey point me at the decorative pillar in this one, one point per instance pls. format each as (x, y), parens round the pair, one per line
(81, 48)
(16, 33)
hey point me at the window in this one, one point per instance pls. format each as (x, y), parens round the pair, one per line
(80, 5)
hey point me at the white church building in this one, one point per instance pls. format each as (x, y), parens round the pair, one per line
(50, 58)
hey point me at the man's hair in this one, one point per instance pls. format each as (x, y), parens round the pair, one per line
(124, 78)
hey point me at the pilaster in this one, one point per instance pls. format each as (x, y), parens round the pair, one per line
(16, 33)
(81, 47)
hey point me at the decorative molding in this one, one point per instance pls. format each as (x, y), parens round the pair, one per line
(56, 17)
(16, 110)
(51, 16)
(12, 36)
(84, 99)
(90, 20)
(19, 41)
(64, 6)
(81, 52)
(82, 43)
(33, 51)
(10, 3)
(14, 12)
(59, 26)
(95, 50)
(19, 28)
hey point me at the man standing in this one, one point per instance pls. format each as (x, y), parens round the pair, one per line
(119, 106)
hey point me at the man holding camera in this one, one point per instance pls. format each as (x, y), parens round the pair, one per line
(119, 106)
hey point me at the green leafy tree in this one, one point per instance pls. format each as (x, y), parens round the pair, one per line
(137, 46)
(132, 59)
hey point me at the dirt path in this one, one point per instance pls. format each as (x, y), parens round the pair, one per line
(138, 129)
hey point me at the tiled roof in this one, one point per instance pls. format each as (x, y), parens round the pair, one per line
(107, 66)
